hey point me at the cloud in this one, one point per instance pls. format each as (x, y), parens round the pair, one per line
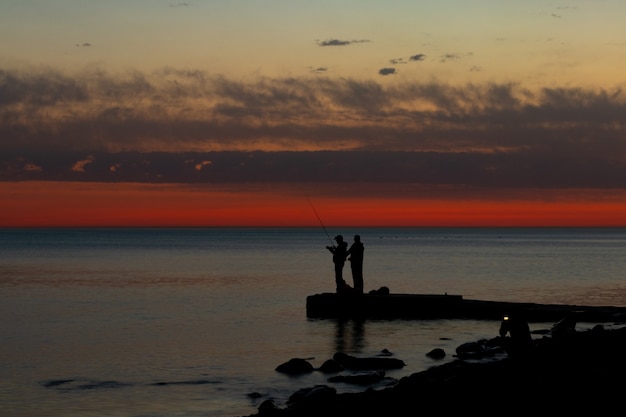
(144, 127)
(387, 71)
(200, 165)
(416, 57)
(29, 167)
(449, 57)
(79, 166)
(517, 170)
(338, 42)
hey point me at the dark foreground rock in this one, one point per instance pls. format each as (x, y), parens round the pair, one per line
(576, 372)
(295, 366)
(362, 364)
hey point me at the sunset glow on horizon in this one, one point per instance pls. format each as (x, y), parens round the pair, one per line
(171, 205)
(394, 113)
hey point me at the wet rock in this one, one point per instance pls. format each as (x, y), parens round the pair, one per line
(364, 378)
(295, 366)
(385, 352)
(375, 363)
(269, 408)
(583, 369)
(330, 367)
(436, 354)
(469, 348)
(319, 396)
(481, 349)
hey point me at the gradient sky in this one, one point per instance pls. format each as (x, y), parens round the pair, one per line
(219, 113)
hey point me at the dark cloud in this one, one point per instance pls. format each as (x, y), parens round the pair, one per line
(387, 71)
(318, 69)
(449, 57)
(501, 169)
(338, 42)
(189, 126)
(416, 57)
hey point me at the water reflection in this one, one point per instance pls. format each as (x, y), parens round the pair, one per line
(349, 335)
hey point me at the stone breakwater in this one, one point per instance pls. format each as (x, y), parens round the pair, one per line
(564, 372)
(380, 304)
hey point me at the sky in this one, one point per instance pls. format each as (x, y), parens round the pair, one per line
(287, 112)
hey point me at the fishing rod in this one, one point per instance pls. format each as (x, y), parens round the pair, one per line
(321, 223)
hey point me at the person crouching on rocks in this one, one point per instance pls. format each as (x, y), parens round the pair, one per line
(340, 252)
(521, 342)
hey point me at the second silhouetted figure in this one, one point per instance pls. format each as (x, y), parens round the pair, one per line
(356, 263)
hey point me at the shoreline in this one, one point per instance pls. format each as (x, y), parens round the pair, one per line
(563, 371)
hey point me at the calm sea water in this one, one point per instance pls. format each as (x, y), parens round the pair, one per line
(188, 322)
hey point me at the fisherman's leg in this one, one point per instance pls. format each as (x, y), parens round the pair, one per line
(338, 277)
(355, 277)
(358, 280)
(358, 285)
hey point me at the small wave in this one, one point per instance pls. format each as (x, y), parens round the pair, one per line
(84, 384)
(81, 385)
(192, 382)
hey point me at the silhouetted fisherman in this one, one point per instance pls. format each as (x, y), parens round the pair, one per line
(340, 252)
(355, 254)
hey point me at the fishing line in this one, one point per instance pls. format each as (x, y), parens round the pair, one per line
(320, 220)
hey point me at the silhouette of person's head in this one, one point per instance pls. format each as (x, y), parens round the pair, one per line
(339, 238)
(357, 238)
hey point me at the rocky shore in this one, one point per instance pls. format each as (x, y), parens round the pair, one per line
(563, 371)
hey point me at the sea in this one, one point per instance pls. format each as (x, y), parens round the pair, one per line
(164, 322)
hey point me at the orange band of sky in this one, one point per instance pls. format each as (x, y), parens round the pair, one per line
(53, 204)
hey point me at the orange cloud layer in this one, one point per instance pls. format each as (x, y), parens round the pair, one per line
(53, 204)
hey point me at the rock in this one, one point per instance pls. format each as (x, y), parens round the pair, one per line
(470, 349)
(380, 291)
(330, 367)
(295, 366)
(365, 378)
(577, 374)
(482, 348)
(436, 354)
(319, 396)
(268, 408)
(354, 363)
(564, 327)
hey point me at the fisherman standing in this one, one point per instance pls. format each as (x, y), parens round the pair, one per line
(355, 254)
(340, 252)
